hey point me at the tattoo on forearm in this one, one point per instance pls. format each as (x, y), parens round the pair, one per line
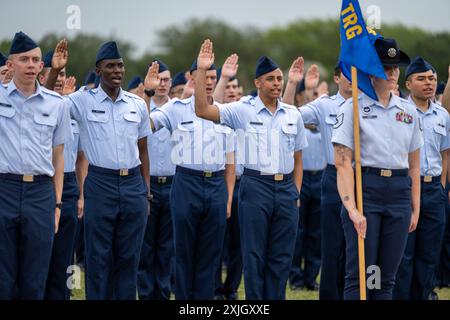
(346, 198)
(341, 152)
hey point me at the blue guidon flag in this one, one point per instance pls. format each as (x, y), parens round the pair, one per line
(357, 48)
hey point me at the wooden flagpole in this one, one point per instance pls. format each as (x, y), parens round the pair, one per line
(359, 198)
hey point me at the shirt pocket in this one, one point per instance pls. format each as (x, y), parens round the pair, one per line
(330, 120)
(98, 124)
(257, 137)
(222, 137)
(45, 124)
(132, 121)
(289, 135)
(5, 114)
(185, 134)
(440, 134)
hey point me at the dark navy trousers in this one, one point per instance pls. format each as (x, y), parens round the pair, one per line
(415, 277)
(387, 208)
(332, 239)
(232, 251)
(307, 247)
(198, 205)
(116, 211)
(443, 272)
(27, 228)
(63, 244)
(268, 216)
(79, 248)
(158, 247)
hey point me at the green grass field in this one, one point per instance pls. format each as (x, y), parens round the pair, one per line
(444, 294)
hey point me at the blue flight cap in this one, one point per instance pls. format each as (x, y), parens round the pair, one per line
(2, 60)
(162, 66)
(134, 83)
(22, 43)
(108, 50)
(440, 88)
(418, 65)
(178, 79)
(265, 65)
(48, 59)
(194, 66)
(90, 78)
(219, 73)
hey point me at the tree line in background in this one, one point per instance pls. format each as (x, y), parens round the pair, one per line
(316, 40)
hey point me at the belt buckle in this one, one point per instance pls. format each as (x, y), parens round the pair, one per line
(123, 172)
(427, 179)
(28, 178)
(386, 173)
(207, 174)
(278, 177)
(162, 180)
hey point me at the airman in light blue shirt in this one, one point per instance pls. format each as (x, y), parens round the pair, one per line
(109, 130)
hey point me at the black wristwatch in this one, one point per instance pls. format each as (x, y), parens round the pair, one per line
(59, 205)
(149, 93)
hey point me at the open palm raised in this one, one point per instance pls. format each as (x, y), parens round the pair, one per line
(206, 56)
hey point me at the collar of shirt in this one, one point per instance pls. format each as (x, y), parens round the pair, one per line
(340, 99)
(394, 101)
(191, 100)
(101, 95)
(259, 105)
(431, 109)
(11, 87)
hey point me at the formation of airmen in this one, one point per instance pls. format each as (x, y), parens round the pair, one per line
(154, 189)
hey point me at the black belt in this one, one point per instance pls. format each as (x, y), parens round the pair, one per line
(25, 177)
(273, 177)
(161, 180)
(312, 172)
(331, 167)
(114, 172)
(198, 173)
(430, 179)
(387, 173)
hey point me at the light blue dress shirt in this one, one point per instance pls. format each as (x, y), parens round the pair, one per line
(109, 131)
(266, 141)
(313, 155)
(72, 148)
(199, 144)
(435, 124)
(30, 128)
(322, 112)
(387, 135)
(160, 146)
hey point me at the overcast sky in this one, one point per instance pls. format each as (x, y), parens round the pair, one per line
(137, 20)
